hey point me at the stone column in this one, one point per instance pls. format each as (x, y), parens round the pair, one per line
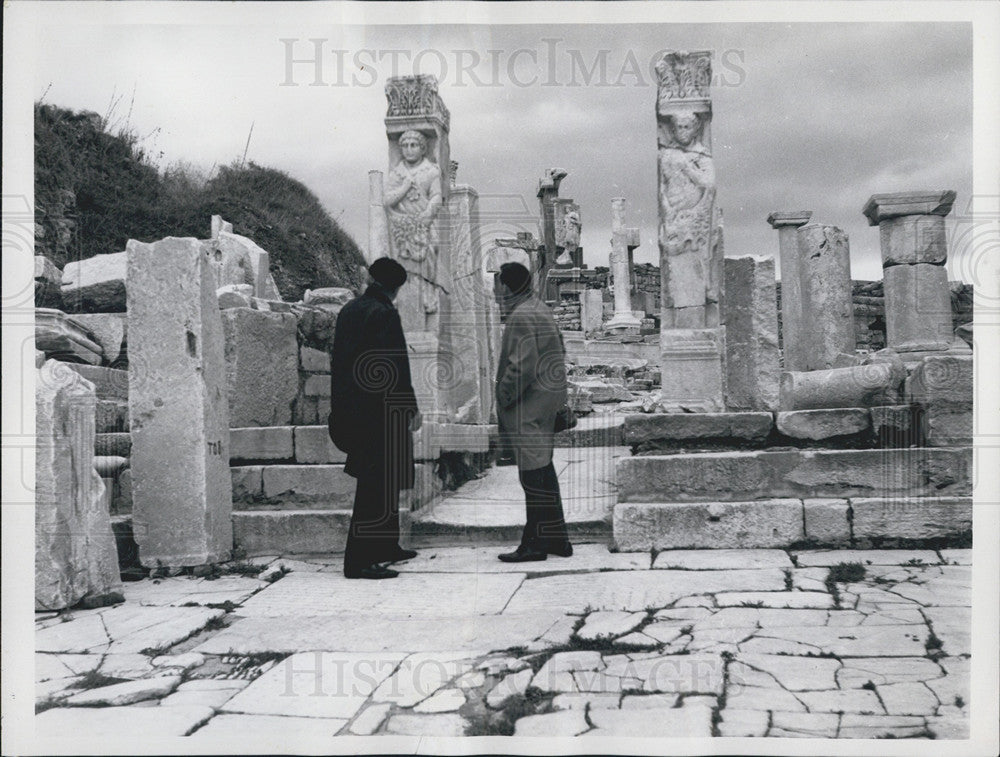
(786, 222)
(750, 312)
(75, 555)
(691, 340)
(469, 382)
(825, 285)
(378, 228)
(181, 484)
(623, 317)
(914, 251)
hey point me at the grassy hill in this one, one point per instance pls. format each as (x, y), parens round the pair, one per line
(95, 190)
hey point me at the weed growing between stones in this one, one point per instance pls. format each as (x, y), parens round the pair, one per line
(501, 723)
(92, 679)
(754, 605)
(843, 572)
(934, 646)
(788, 579)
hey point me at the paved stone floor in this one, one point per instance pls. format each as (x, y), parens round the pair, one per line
(843, 644)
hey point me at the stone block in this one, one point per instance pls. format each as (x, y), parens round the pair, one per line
(942, 379)
(602, 391)
(110, 383)
(917, 308)
(313, 446)
(111, 416)
(317, 361)
(48, 281)
(60, 337)
(685, 280)
(338, 296)
(325, 485)
(95, 285)
(261, 443)
(911, 517)
(827, 309)
(75, 555)
(235, 296)
(118, 444)
(736, 476)
(181, 484)
(858, 386)
(458, 437)
(236, 259)
(683, 427)
(122, 502)
(248, 483)
(591, 310)
(894, 204)
(109, 331)
(827, 521)
(823, 424)
(713, 525)
(947, 425)
(906, 240)
(291, 531)
(892, 419)
(262, 366)
(750, 314)
(317, 385)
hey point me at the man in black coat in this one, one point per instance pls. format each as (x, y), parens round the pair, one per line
(373, 412)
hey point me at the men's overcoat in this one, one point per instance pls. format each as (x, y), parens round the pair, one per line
(371, 393)
(531, 383)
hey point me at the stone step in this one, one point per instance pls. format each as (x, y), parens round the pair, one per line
(740, 476)
(315, 487)
(594, 431)
(291, 531)
(780, 523)
(458, 521)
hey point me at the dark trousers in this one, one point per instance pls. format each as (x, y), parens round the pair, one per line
(373, 536)
(545, 524)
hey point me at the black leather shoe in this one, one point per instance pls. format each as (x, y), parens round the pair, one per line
(373, 572)
(403, 554)
(524, 554)
(565, 549)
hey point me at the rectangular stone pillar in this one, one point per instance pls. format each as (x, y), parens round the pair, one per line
(825, 285)
(469, 382)
(75, 556)
(378, 228)
(181, 484)
(786, 222)
(591, 310)
(750, 312)
(914, 250)
(692, 342)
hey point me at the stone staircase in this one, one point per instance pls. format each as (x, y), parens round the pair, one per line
(819, 477)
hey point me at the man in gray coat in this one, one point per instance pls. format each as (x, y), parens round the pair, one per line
(530, 390)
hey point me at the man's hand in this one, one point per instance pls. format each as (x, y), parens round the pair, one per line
(416, 421)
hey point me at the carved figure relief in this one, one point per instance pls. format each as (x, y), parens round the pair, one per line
(687, 186)
(412, 201)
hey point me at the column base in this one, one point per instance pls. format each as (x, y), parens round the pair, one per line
(623, 321)
(691, 365)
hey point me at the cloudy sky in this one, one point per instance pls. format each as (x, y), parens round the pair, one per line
(814, 116)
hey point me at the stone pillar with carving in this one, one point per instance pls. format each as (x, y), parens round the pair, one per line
(621, 240)
(568, 224)
(786, 222)
(416, 194)
(691, 338)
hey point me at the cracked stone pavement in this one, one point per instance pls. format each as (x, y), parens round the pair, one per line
(693, 643)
